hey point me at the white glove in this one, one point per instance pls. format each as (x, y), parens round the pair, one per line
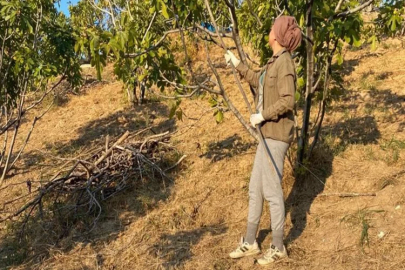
(230, 57)
(256, 119)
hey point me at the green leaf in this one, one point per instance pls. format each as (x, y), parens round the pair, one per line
(219, 116)
(339, 58)
(179, 115)
(357, 42)
(300, 82)
(393, 24)
(297, 96)
(213, 102)
(373, 41)
(164, 11)
(172, 111)
(302, 20)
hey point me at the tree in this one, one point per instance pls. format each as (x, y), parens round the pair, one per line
(326, 25)
(36, 55)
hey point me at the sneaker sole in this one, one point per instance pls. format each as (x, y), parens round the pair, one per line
(268, 263)
(247, 253)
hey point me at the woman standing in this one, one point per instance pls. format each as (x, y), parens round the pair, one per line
(274, 100)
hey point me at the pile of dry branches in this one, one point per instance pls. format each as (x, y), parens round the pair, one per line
(105, 172)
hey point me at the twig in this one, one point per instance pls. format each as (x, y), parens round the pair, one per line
(339, 5)
(152, 137)
(150, 25)
(156, 45)
(177, 163)
(108, 152)
(350, 11)
(224, 35)
(346, 195)
(106, 143)
(252, 60)
(254, 14)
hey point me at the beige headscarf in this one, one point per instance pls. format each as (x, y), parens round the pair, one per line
(287, 32)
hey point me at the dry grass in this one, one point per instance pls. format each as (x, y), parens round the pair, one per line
(198, 220)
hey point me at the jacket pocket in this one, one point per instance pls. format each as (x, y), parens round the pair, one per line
(271, 79)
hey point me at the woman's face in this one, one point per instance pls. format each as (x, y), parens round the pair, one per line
(272, 38)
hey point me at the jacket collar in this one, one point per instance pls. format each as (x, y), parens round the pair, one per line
(274, 57)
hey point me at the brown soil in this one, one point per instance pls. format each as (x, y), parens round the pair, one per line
(198, 219)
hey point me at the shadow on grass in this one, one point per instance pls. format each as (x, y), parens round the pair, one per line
(311, 179)
(350, 65)
(358, 130)
(60, 225)
(381, 100)
(175, 249)
(306, 188)
(229, 147)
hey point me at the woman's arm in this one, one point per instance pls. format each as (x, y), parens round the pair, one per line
(250, 76)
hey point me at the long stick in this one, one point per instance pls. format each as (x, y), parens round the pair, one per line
(261, 137)
(108, 152)
(346, 195)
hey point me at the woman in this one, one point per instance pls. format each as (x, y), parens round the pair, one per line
(274, 100)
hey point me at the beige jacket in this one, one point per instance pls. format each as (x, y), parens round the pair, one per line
(278, 95)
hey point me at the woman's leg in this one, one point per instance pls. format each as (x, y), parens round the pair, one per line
(255, 196)
(272, 191)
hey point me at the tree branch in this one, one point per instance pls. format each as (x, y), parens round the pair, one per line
(253, 13)
(150, 25)
(156, 45)
(351, 11)
(205, 38)
(288, 8)
(228, 100)
(338, 6)
(229, 4)
(224, 35)
(233, 68)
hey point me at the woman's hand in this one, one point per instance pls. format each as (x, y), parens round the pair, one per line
(256, 119)
(230, 57)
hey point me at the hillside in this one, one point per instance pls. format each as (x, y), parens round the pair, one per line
(194, 221)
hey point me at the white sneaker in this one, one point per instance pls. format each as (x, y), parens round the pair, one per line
(245, 249)
(272, 255)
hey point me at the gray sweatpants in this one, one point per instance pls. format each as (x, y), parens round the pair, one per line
(265, 184)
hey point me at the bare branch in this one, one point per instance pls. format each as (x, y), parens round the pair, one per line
(287, 7)
(280, 11)
(224, 35)
(229, 4)
(227, 99)
(176, 164)
(36, 118)
(346, 195)
(235, 36)
(252, 60)
(253, 13)
(233, 68)
(214, 41)
(150, 25)
(339, 5)
(93, 3)
(120, 140)
(62, 78)
(317, 83)
(351, 11)
(156, 45)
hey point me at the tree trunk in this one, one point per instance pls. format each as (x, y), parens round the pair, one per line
(142, 92)
(131, 94)
(303, 140)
